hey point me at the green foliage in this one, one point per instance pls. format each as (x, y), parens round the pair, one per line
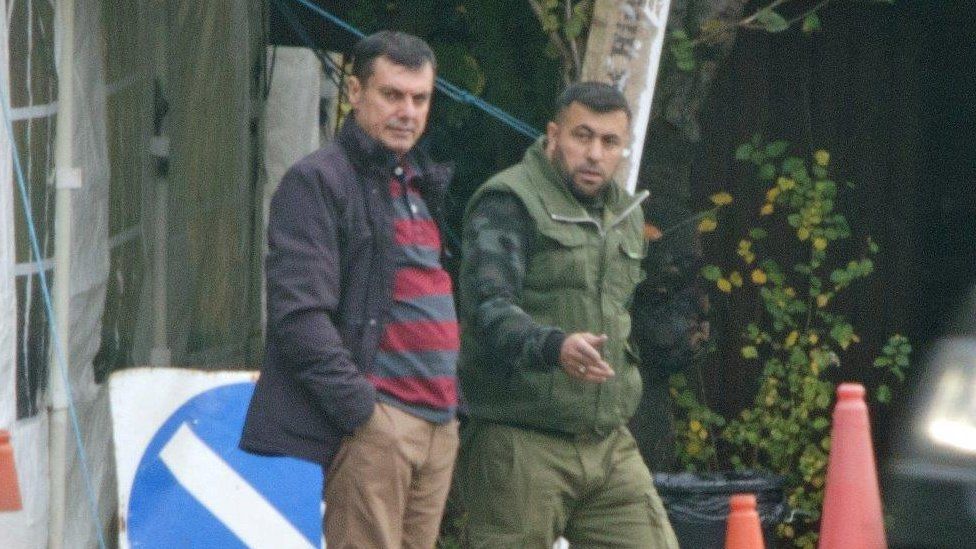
(683, 50)
(696, 428)
(566, 23)
(684, 44)
(711, 272)
(452, 527)
(811, 23)
(795, 336)
(771, 21)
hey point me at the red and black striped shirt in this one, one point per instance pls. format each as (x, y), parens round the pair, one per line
(415, 367)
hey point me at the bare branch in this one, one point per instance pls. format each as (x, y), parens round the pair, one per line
(804, 15)
(537, 9)
(570, 62)
(573, 46)
(745, 23)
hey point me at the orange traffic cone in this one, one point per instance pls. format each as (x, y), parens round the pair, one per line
(742, 530)
(852, 502)
(9, 488)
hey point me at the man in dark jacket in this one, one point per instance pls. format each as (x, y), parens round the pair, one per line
(362, 337)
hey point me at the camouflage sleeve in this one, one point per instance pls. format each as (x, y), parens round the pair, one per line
(496, 240)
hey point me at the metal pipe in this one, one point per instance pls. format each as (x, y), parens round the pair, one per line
(159, 356)
(66, 179)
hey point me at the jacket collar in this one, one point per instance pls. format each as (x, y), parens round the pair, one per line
(368, 153)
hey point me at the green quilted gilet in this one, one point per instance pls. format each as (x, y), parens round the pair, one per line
(580, 276)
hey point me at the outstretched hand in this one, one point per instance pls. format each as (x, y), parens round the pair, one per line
(580, 357)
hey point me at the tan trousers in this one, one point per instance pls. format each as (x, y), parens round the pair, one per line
(387, 486)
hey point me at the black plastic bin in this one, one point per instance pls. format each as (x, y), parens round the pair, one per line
(698, 505)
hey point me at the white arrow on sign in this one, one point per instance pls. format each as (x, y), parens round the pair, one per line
(214, 484)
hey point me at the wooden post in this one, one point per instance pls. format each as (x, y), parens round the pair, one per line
(624, 49)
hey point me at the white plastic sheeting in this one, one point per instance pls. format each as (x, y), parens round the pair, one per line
(89, 260)
(204, 60)
(26, 528)
(89, 269)
(8, 309)
(89, 243)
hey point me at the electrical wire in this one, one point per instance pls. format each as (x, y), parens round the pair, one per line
(325, 60)
(454, 92)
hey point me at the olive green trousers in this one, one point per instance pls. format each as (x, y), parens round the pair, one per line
(523, 489)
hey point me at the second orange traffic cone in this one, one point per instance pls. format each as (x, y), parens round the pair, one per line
(852, 501)
(742, 529)
(9, 488)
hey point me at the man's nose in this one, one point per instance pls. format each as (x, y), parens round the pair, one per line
(407, 109)
(595, 150)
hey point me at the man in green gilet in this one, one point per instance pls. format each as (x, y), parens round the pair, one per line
(552, 253)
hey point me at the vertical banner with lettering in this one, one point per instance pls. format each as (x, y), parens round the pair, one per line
(624, 49)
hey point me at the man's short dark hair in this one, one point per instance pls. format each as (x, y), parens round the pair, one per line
(596, 96)
(401, 48)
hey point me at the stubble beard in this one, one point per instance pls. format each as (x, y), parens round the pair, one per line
(568, 176)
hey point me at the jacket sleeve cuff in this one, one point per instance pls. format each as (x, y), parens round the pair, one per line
(551, 346)
(358, 413)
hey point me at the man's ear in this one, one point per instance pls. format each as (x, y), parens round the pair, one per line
(552, 130)
(354, 90)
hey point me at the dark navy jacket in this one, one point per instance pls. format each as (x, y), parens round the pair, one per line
(330, 271)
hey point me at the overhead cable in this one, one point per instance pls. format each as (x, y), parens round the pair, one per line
(454, 92)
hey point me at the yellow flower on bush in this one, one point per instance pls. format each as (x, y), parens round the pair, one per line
(766, 209)
(813, 338)
(772, 193)
(721, 199)
(822, 157)
(822, 300)
(789, 291)
(724, 285)
(707, 225)
(694, 426)
(791, 338)
(758, 277)
(736, 279)
(803, 233)
(785, 183)
(745, 251)
(820, 243)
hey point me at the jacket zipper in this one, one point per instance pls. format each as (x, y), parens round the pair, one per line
(635, 203)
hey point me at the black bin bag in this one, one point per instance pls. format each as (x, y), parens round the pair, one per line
(698, 505)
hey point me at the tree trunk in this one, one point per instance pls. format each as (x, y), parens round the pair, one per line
(669, 307)
(674, 133)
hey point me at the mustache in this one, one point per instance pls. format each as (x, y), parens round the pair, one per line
(401, 126)
(592, 168)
